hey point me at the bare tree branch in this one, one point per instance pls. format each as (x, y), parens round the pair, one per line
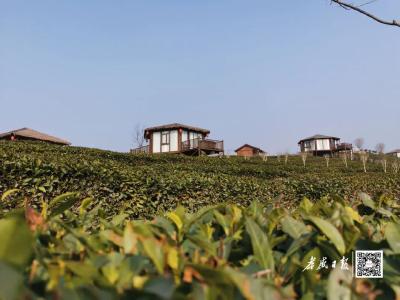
(364, 12)
(366, 3)
(138, 136)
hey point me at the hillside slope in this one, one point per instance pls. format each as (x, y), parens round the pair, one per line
(145, 185)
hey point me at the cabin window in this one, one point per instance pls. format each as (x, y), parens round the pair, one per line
(165, 138)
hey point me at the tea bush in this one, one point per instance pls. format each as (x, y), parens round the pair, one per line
(219, 252)
(78, 223)
(146, 185)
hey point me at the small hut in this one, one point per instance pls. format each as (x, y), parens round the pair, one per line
(395, 153)
(28, 134)
(248, 151)
(179, 138)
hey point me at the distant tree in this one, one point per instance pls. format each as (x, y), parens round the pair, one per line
(264, 156)
(359, 8)
(396, 166)
(138, 136)
(359, 142)
(364, 158)
(286, 157)
(380, 148)
(304, 158)
(327, 158)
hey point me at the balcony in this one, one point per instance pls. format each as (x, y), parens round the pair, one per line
(344, 147)
(199, 146)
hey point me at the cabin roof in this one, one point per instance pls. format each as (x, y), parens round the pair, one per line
(176, 126)
(250, 146)
(33, 134)
(394, 151)
(318, 137)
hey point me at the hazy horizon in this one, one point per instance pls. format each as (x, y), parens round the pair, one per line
(263, 73)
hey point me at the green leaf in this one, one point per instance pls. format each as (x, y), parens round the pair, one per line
(10, 282)
(85, 204)
(367, 201)
(392, 233)
(293, 227)
(16, 241)
(221, 219)
(354, 215)
(82, 269)
(339, 284)
(130, 239)
(203, 243)
(331, 232)
(160, 287)
(119, 219)
(63, 202)
(155, 252)
(306, 205)
(384, 212)
(8, 193)
(176, 219)
(261, 246)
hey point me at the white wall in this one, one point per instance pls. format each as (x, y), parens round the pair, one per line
(173, 140)
(184, 135)
(323, 145)
(312, 145)
(165, 148)
(156, 142)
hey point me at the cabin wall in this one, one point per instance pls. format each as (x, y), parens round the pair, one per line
(246, 152)
(308, 146)
(176, 138)
(313, 145)
(318, 145)
(173, 140)
(156, 142)
(185, 135)
(157, 145)
(323, 145)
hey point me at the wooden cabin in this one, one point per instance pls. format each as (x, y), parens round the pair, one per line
(319, 145)
(248, 151)
(395, 153)
(179, 138)
(27, 134)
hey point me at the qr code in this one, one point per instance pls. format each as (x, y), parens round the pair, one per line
(369, 264)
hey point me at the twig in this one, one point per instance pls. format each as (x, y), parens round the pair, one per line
(358, 9)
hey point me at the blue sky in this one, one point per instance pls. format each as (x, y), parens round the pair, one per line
(261, 72)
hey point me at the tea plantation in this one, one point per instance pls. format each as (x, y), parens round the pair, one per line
(146, 185)
(81, 223)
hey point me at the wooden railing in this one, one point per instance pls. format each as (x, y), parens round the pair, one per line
(143, 149)
(344, 147)
(203, 144)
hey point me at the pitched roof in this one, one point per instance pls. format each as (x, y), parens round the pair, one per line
(394, 151)
(250, 146)
(318, 137)
(177, 126)
(33, 134)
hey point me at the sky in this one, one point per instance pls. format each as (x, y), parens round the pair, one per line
(262, 72)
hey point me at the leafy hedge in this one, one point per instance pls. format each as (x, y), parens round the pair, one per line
(219, 252)
(147, 185)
